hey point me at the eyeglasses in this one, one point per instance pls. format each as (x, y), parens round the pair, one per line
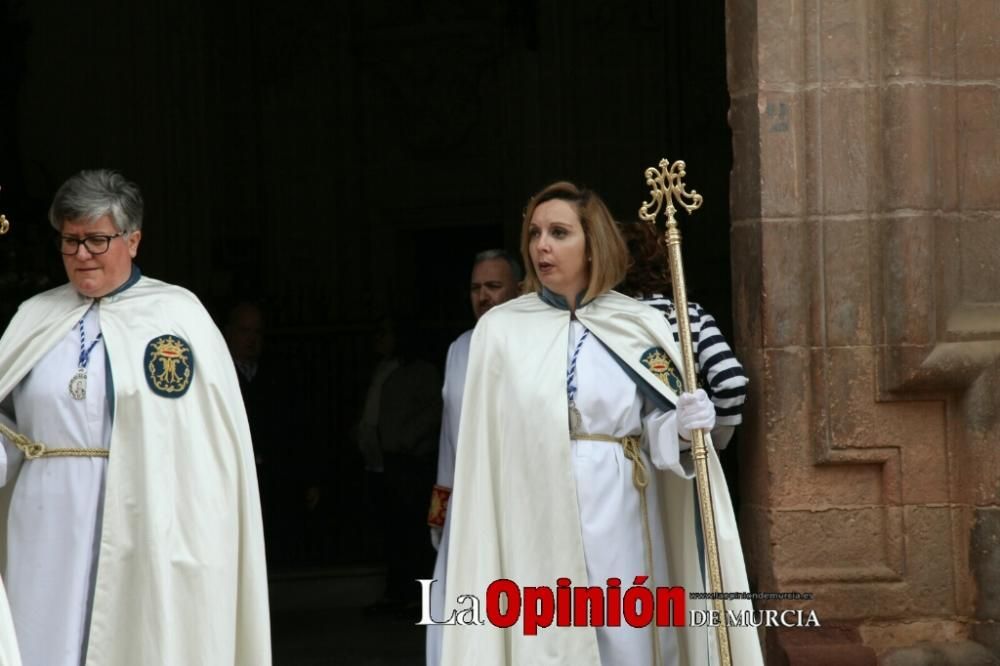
(96, 244)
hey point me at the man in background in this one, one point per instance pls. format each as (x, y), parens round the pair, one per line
(288, 492)
(496, 277)
(398, 431)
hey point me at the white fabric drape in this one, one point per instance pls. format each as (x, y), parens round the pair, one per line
(454, 385)
(55, 509)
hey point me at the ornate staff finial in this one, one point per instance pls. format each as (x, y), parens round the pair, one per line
(4, 224)
(666, 186)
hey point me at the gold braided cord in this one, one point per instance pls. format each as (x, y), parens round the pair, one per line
(33, 450)
(640, 479)
(75, 453)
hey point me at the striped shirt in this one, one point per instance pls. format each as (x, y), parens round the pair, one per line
(719, 373)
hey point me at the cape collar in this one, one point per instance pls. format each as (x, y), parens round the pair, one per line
(559, 302)
(132, 279)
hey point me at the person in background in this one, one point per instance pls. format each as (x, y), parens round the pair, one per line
(244, 332)
(404, 405)
(289, 493)
(720, 374)
(495, 279)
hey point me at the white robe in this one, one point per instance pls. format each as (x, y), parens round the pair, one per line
(454, 385)
(52, 534)
(517, 508)
(180, 575)
(610, 511)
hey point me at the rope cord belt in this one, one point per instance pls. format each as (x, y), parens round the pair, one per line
(630, 447)
(640, 479)
(33, 450)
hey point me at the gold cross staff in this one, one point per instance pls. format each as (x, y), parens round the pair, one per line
(4, 225)
(667, 187)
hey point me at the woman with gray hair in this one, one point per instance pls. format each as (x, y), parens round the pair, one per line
(133, 531)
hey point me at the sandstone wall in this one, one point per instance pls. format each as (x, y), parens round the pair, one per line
(866, 233)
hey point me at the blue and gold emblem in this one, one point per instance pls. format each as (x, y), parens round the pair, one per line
(169, 365)
(658, 362)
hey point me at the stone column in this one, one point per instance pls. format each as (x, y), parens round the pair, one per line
(866, 267)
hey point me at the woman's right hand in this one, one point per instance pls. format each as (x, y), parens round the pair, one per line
(694, 410)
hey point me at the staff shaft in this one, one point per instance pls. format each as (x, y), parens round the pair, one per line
(699, 447)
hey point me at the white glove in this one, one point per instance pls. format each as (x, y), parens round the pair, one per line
(436, 537)
(694, 410)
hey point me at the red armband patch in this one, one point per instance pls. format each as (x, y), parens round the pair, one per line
(439, 506)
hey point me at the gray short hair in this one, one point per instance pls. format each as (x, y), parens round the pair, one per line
(515, 265)
(92, 194)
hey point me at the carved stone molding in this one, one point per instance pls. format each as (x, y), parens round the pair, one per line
(866, 225)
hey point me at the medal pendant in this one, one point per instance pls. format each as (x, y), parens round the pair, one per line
(575, 420)
(78, 385)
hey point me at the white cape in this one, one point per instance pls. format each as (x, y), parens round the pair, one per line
(9, 654)
(514, 507)
(181, 577)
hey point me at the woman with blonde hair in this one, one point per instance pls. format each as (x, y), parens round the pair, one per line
(572, 469)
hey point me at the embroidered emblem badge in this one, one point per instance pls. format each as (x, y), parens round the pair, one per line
(169, 364)
(658, 362)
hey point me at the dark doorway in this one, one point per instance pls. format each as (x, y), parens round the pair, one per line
(341, 162)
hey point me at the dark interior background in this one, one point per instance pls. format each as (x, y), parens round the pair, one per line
(342, 161)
